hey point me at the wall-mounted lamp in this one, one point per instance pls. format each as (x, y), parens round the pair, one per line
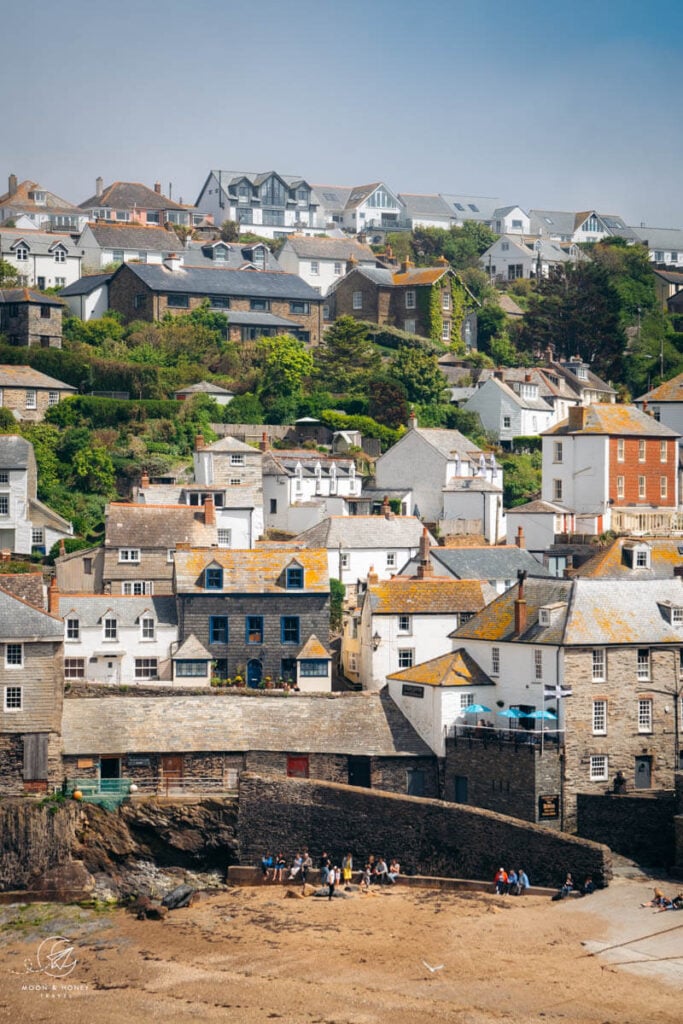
(376, 641)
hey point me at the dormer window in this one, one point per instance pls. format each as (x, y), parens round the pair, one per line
(295, 577)
(638, 556)
(21, 252)
(549, 614)
(213, 578)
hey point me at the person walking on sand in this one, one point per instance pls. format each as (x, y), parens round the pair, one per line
(331, 879)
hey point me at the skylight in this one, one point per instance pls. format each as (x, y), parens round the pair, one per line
(459, 206)
(473, 208)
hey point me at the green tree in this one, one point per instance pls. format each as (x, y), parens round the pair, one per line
(419, 373)
(244, 408)
(94, 469)
(522, 478)
(230, 231)
(337, 594)
(346, 358)
(287, 363)
(8, 275)
(388, 402)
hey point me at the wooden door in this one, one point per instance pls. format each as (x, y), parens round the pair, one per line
(172, 769)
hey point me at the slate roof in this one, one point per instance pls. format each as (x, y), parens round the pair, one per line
(27, 377)
(669, 391)
(39, 243)
(546, 507)
(248, 317)
(154, 526)
(330, 248)
(539, 404)
(222, 281)
(621, 420)
(22, 621)
(428, 206)
(203, 387)
(359, 193)
(135, 236)
(126, 195)
(485, 205)
(230, 444)
(487, 563)
(333, 198)
(15, 452)
(25, 585)
(660, 238)
(20, 295)
(365, 724)
(237, 256)
(596, 612)
(435, 596)
(448, 442)
(260, 571)
(591, 380)
(286, 462)
(86, 285)
(191, 649)
(457, 668)
(547, 388)
(363, 532)
(666, 553)
(89, 608)
(313, 649)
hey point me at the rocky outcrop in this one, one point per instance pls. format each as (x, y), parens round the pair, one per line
(68, 851)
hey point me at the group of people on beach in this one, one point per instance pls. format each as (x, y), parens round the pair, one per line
(332, 874)
(661, 902)
(512, 882)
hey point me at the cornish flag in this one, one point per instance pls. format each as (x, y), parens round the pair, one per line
(556, 692)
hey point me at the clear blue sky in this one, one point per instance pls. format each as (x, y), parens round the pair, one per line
(570, 106)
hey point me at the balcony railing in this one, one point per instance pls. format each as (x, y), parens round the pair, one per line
(518, 738)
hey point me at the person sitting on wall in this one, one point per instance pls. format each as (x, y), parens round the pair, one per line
(513, 882)
(522, 881)
(501, 881)
(394, 871)
(588, 886)
(266, 865)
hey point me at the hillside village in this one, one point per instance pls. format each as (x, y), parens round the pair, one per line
(347, 484)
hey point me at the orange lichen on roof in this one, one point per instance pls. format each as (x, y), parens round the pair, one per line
(606, 418)
(454, 669)
(409, 596)
(664, 556)
(252, 571)
(669, 391)
(419, 275)
(313, 649)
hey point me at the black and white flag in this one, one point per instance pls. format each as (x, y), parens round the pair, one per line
(556, 691)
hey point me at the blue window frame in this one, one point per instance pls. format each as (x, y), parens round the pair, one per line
(213, 579)
(254, 629)
(288, 670)
(218, 629)
(295, 578)
(190, 668)
(289, 629)
(313, 668)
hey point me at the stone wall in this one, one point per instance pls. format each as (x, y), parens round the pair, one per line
(504, 777)
(640, 827)
(34, 838)
(428, 836)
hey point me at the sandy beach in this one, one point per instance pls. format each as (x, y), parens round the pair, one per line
(251, 955)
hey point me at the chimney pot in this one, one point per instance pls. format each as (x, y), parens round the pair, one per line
(99, 187)
(12, 184)
(144, 480)
(519, 539)
(199, 442)
(263, 443)
(157, 187)
(406, 265)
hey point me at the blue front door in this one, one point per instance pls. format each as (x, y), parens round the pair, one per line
(254, 672)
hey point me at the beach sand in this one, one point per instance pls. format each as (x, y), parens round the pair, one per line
(251, 955)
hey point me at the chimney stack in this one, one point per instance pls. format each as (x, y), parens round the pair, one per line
(406, 265)
(144, 480)
(372, 576)
(425, 568)
(199, 443)
(209, 511)
(62, 547)
(12, 184)
(577, 417)
(53, 597)
(157, 187)
(99, 187)
(520, 604)
(263, 443)
(519, 539)
(412, 420)
(386, 508)
(173, 262)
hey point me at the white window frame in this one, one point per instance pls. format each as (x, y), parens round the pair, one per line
(405, 625)
(645, 708)
(110, 629)
(137, 588)
(599, 768)
(74, 668)
(170, 554)
(72, 630)
(446, 330)
(599, 717)
(538, 665)
(4, 505)
(643, 664)
(406, 655)
(146, 668)
(17, 660)
(558, 489)
(13, 699)
(621, 491)
(345, 559)
(663, 451)
(465, 700)
(392, 559)
(642, 487)
(495, 661)
(357, 300)
(337, 269)
(237, 459)
(148, 628)
(677, 616)
(642, 450)
(445, 299)
(37, 535)
(129, 555)
(52, 398)
(558, 451)
(315, 267)
(31, 398)
(599, 665)
(224, 537)
(621, 450)
(663, 486)
(411, 298)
